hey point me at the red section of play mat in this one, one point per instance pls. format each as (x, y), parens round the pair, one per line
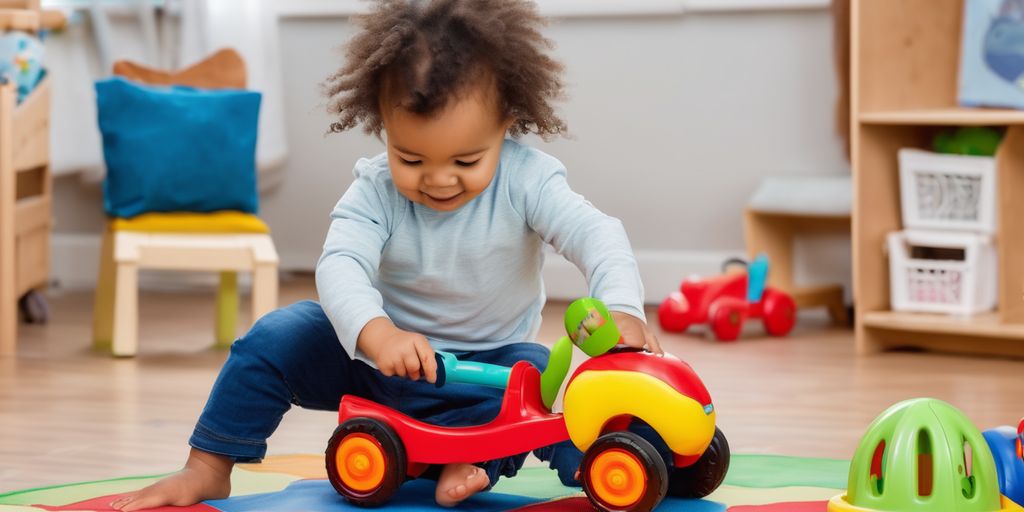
(802, 506)
(102, 504)
(579, 504)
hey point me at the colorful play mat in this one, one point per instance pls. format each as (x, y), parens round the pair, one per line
(755, 483)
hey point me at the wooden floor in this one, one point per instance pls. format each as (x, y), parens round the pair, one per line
(68, 414)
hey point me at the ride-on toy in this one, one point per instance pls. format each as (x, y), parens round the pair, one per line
(375, 448)
(725, 301)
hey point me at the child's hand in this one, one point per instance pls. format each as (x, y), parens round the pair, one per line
(635, 332)
(398, 352)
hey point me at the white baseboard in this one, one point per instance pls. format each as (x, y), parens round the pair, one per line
(75, 261)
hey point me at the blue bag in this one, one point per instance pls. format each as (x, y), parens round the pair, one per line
(171, 149)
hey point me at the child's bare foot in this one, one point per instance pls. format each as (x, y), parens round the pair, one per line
(458, 482)
(205, 477)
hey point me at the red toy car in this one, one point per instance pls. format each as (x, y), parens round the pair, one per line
(727, 300)
(375, 449)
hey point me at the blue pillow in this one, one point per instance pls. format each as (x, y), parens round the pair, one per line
(171, 149)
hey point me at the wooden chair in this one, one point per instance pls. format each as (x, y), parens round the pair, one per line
(224, 242)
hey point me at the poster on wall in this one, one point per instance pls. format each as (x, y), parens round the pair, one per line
(992, 54)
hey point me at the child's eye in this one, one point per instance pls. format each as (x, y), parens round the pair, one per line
(410, 162)
(461, 163)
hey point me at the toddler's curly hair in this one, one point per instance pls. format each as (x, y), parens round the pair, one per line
(419, 54)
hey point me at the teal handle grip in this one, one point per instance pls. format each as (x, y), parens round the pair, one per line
(450, 369)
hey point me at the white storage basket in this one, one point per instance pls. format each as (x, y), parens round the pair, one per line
(942, 272)
(948, 192)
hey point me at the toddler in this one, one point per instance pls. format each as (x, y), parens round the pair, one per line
(437, 244)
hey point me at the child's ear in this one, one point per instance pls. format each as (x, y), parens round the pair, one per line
(507, 124)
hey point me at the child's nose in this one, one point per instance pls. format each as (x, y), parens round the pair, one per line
(440, 178)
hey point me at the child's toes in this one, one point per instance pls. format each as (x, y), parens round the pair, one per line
(458, 492)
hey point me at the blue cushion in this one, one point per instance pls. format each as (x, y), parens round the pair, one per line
(177, 148)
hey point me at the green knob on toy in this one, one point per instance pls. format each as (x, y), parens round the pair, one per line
(591, 327)
(922, 455)
(558, 367)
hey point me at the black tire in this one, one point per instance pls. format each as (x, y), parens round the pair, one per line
(653, 465)
(34, 308)
(705, 475)
(394, 456)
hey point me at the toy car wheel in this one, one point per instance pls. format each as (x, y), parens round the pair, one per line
(705, 475)
(727, 318)
(779, 313)
(365, 461)
(673, 314)
(622, 471)
(34, 308)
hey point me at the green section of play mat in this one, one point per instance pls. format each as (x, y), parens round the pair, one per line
(242, 483)
(73, 493)
(745, 471)
(781, 471)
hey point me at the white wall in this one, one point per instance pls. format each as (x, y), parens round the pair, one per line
(674, 120)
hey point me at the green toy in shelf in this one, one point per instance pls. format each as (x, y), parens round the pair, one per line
(922, 455)
(968, 140)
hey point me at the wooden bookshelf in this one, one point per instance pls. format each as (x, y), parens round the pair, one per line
(904, 73)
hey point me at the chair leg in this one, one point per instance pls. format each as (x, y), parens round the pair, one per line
(264, 289)
(227, 309)
(126, 310)
(103, 303)
(837, 310)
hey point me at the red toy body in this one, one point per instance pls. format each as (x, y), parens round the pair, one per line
(724, 302)
(376, 448)
(523, 424)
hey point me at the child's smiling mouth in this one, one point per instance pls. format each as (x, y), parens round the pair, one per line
(443, 200)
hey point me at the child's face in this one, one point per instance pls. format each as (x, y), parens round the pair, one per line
(445, 160)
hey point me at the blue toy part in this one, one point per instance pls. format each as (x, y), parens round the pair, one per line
(1009, 465)
(21, 56)
(757, 278)
(451, 369)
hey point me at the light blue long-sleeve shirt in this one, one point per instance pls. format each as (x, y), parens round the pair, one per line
(469, 279)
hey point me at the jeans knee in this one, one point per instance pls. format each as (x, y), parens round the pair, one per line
(282, 334)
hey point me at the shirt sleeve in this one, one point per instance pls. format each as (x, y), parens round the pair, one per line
(595, 242)
(352, 252)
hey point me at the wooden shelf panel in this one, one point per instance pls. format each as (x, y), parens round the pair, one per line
(958, 116)
(981, 325)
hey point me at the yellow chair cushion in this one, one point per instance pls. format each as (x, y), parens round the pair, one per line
(186, 222)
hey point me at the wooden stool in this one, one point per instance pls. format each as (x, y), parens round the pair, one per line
(786, 206)
(180, 242)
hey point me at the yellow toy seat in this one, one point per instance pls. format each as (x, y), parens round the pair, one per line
(225, 242)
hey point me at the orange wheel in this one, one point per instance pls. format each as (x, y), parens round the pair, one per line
(622, 471)
(365, 461)
(360, 461)
(617, 477)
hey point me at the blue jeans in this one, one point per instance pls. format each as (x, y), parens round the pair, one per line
(293, 356)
